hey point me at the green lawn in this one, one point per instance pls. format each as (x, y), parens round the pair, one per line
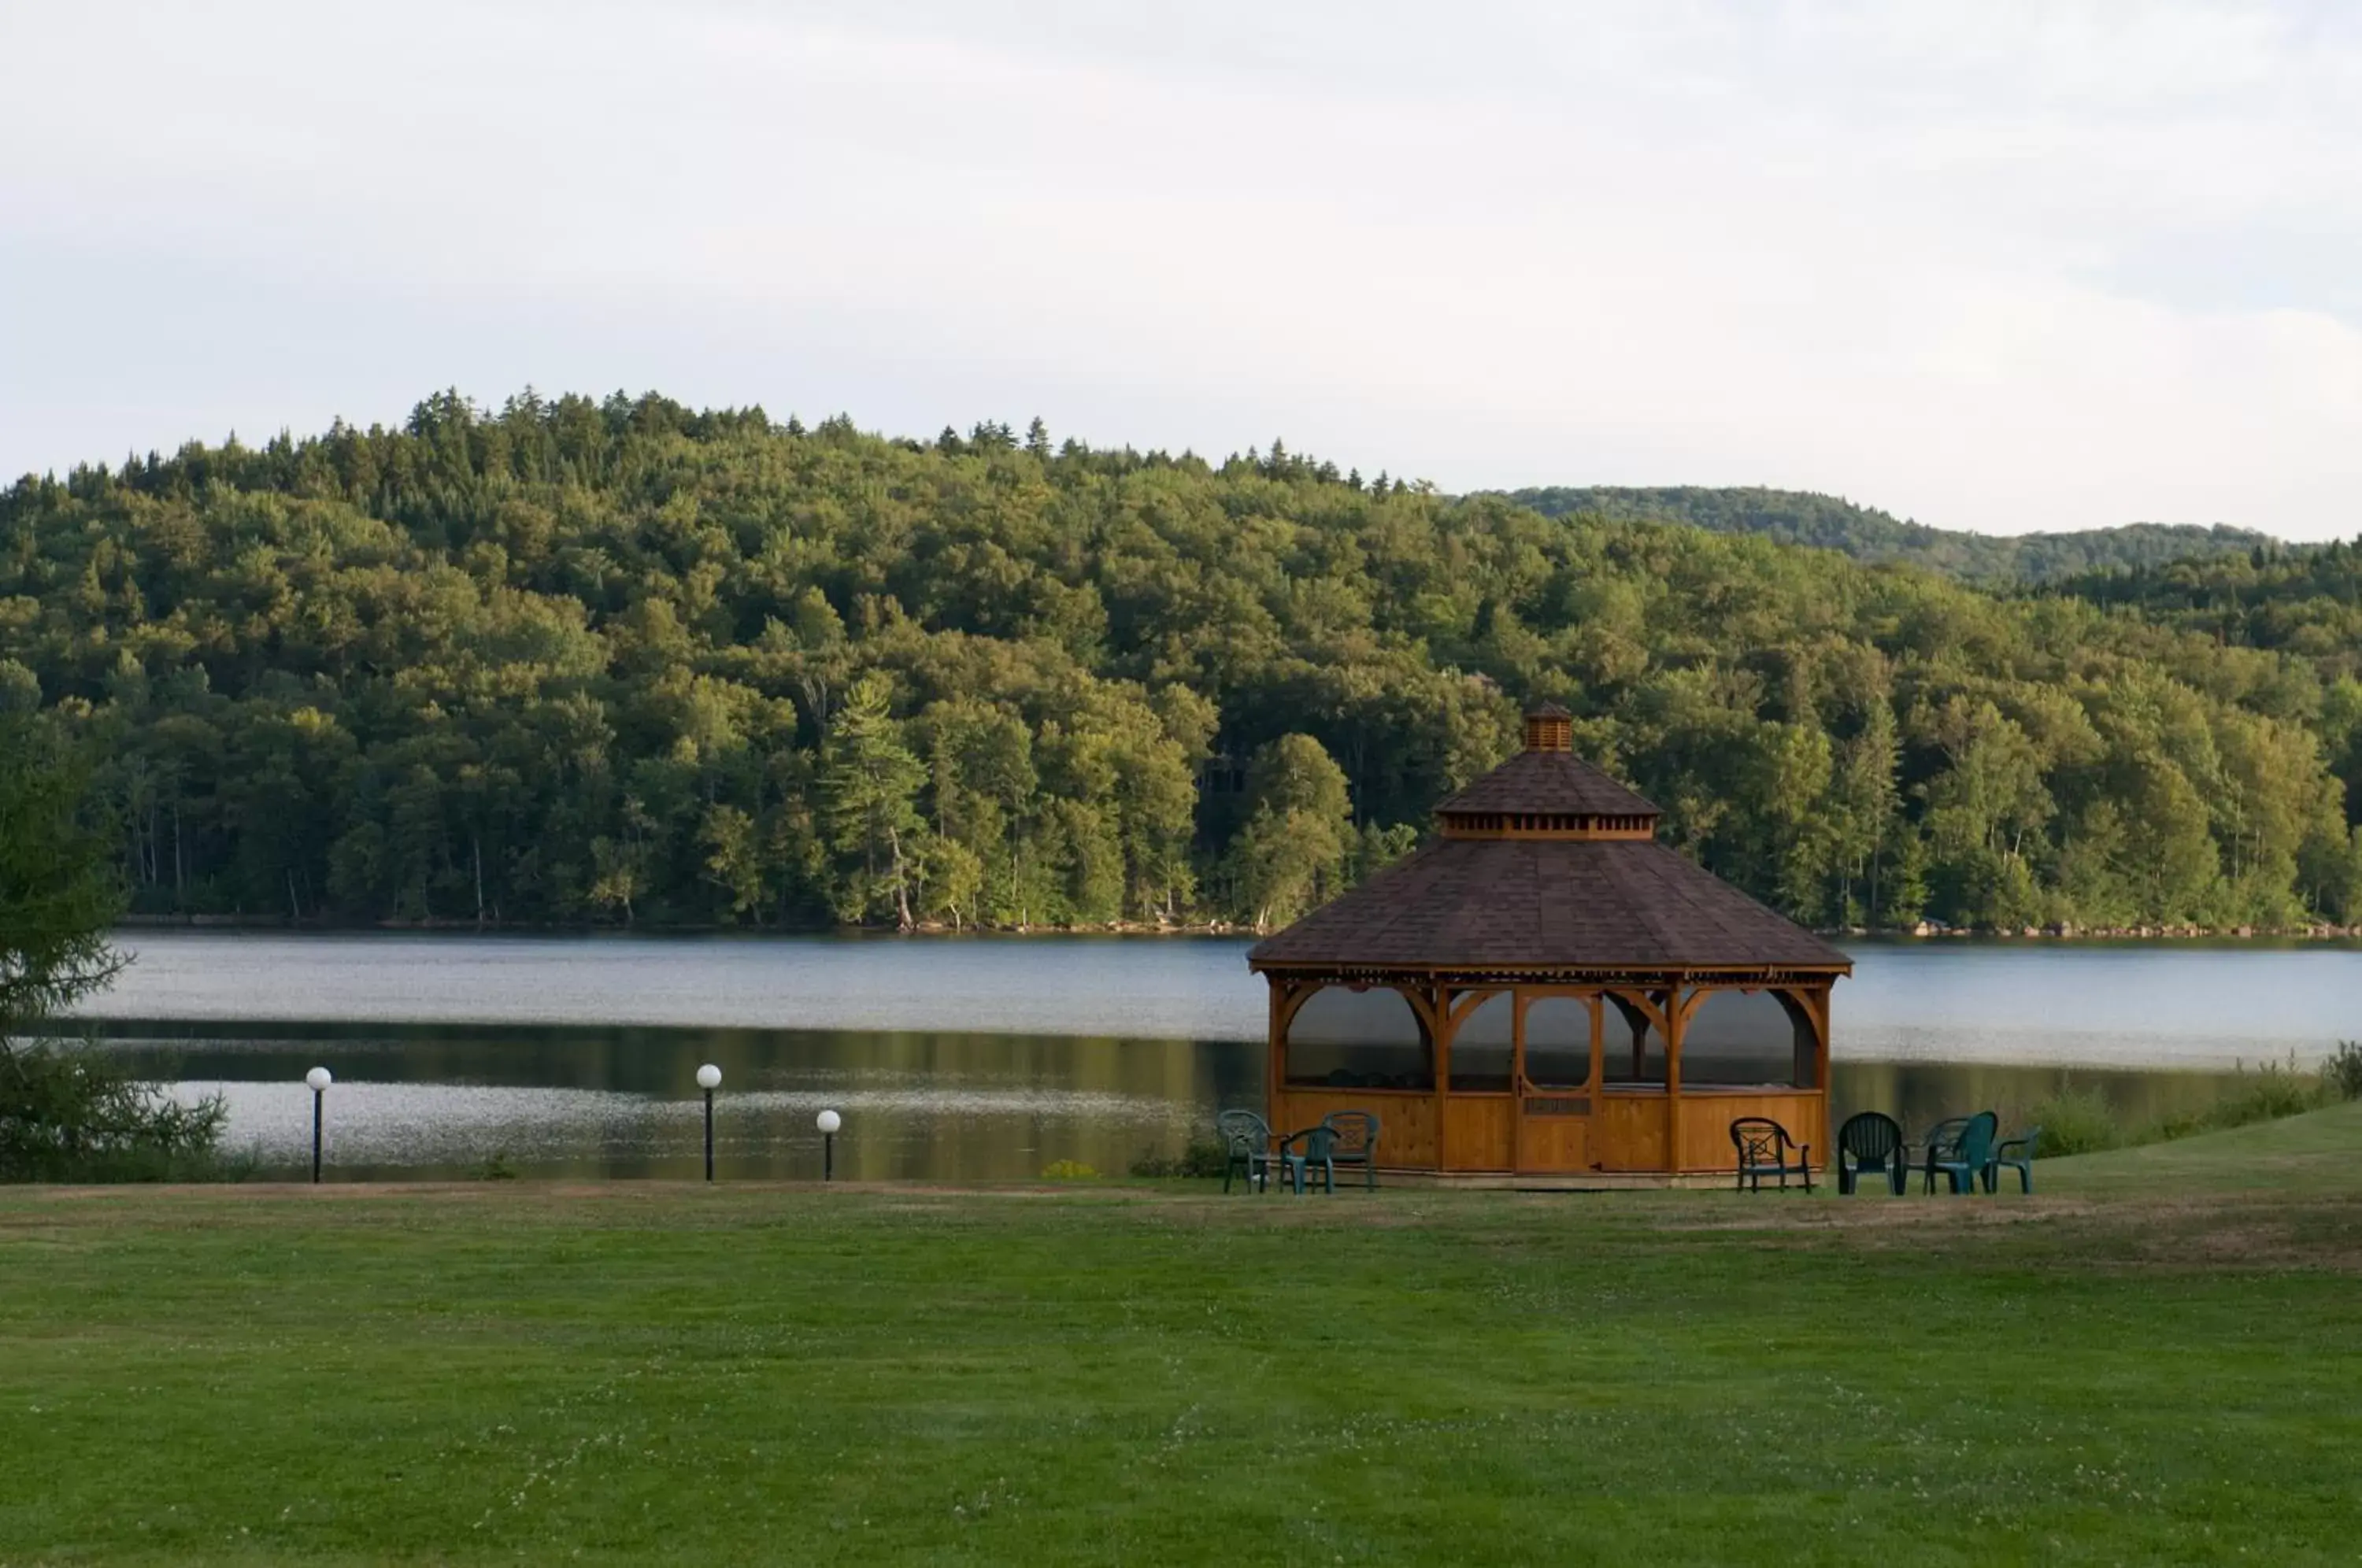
(2159, 1359)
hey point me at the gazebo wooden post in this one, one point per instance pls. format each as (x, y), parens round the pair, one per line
(1821, 1070)
(1517, 1078)
(1274, 1065)
(1820, 995)
(1598, 1043)
(1677, 1013)
(1436, 1001)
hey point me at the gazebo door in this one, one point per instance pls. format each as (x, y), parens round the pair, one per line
(1558, 1071)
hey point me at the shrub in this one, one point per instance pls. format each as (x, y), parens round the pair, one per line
(2342, 1072)
(1068, 1170)
(78, 1115)
(2272, 1091)
(1203, 1157)
(2077, 1122)
(2080, 1121)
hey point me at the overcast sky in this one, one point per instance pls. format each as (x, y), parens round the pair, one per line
(1990, 265)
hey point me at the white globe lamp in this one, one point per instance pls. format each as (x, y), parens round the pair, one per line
(317, 1080)
(709, 1078)
(828, 1121)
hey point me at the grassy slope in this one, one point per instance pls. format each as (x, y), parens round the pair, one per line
(2151, 1361)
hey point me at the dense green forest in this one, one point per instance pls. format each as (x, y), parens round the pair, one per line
(623, 661)
(1800, 517)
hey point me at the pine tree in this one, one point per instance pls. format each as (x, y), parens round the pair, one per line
(869, 783)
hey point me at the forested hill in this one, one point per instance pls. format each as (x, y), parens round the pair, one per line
(624, 661)
(1800, 517)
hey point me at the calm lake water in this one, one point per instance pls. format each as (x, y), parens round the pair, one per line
(979, 1058)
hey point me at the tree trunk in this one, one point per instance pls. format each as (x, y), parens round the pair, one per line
(902, 920)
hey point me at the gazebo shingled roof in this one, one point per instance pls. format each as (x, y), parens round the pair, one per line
(1546, 904)
(1546, 863)
(1546, 781)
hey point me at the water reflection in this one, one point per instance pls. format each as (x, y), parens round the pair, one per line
(449, 1100)
(2098, 1004)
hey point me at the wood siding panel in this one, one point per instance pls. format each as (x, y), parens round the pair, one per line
(1554, 1143)
(1406, 1121)
(1476, 1132)
(1705, 1120)
(1628, 1132)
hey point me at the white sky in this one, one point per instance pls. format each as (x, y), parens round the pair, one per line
(1993, 265)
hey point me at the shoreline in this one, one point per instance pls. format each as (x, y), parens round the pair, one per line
(1925, 931)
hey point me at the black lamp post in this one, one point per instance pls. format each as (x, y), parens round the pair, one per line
(317, 1080)
(709, 1078)
(828, 1121)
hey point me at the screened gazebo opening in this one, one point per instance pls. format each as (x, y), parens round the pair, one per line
(1558, 1043)
(1635, 1054)
(1480, 1050)
(1341, 1038)
(1749, 1039)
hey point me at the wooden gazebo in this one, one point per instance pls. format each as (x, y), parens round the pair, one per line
(1546, 994)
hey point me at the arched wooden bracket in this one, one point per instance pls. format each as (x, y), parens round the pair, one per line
(1292, 995)
(1466, 1003)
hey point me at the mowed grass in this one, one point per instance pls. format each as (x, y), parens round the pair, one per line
(2157, 1359)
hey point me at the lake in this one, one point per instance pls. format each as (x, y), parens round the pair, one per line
(974, 1058)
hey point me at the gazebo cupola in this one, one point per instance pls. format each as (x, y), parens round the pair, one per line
(1543, 792)
(1545, 992)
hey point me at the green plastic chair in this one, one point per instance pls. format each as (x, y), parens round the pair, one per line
(1944, 1139)
(1302, 1153)
(1246, 1149)
(1356, 1144)
(1966, 1159)
(1868, 1144)
(2022, 1162)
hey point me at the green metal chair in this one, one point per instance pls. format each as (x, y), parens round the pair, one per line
(1247, 1149)
(1868, 1144)
(1763, 1148)
(2021, 1162)
(1356, 1143)
(1966, 1159)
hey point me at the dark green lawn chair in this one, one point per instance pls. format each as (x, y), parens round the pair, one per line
(1247, 1149)
(1868, 1144)
(1309, 1154)
(1766, 1150)
(1961, 1151)
(1356, 1143)
(2022, 1162)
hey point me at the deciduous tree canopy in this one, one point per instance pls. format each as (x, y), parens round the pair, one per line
(623, 661)
(1801, 517)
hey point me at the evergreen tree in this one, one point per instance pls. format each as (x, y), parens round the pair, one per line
(869, 783)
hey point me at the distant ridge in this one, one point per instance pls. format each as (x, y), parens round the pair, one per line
(1866, 534)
